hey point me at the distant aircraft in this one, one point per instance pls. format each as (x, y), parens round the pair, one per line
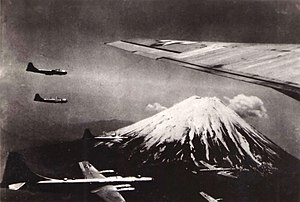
(226, 172)
(109, 136)
(55, 100)
(31, 68)
(208, 197)
(99, 139)
(107, 188)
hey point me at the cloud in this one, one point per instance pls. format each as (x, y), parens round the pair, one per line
(247, 106)
(155, 107)
(297, 130)
(2, 73)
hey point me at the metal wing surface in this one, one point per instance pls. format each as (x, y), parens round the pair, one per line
(108, 193)
(272, 65)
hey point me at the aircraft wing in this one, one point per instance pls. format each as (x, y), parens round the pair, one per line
(108, 188)
(272, 65)
(108, 192)
(105, 181)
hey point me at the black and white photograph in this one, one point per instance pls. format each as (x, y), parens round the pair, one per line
(150, 100)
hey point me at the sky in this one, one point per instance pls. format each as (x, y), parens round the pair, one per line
(106, 83)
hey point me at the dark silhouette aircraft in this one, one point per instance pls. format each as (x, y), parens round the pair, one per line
(55, 100)
(32, 68)
(107, 188)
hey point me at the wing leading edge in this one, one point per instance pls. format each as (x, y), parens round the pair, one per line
(275, 66)
(108, 187)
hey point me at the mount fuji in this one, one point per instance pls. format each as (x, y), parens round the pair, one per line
(200, 131)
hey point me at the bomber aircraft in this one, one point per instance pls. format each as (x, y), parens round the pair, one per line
(55, 100)
(99, 139)
(107, 188)
(31, 68)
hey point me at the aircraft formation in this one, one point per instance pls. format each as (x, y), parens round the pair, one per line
(107, 188)
(37, 97)
(244, 62)
(32, 68)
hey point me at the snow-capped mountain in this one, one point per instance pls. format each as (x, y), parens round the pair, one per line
(199, 130)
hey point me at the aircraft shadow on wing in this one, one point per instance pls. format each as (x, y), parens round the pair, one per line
(55, 100)
(107, 188)
(31, 68)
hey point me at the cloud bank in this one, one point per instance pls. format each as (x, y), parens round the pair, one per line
(155, 107)
(247, 106)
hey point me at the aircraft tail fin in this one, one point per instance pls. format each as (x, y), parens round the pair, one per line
(89, 171)
(30, 67)
(87, 134)
(16, 171)
(37, 97)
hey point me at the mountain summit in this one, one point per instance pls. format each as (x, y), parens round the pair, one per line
(199, 130)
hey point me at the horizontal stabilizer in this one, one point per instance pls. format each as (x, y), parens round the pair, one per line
(16, 186)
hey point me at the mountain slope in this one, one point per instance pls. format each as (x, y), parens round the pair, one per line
(197, 130)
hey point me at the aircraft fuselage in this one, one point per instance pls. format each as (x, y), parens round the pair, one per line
(50, 72)
(53, 100)
(38, 98)
(32, 68)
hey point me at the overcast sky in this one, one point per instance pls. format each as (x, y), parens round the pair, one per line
(106, 83)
